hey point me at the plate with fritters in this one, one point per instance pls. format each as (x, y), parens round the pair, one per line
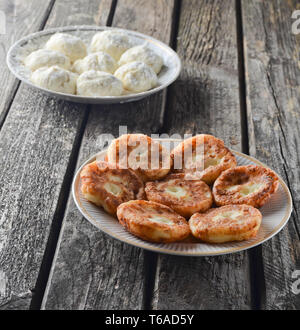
(276, 213)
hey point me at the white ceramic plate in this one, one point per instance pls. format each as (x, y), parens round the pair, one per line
(275, 215)
(170, 70)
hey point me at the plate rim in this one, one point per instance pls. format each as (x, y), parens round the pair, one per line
(279, 227)
(93, 99)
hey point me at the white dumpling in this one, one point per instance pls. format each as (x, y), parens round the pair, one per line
(70, 45)
(98, 83)
(46, 57)
(96, 61)
(144, 54)
(56, 79)
(136, 76)
(112, 42)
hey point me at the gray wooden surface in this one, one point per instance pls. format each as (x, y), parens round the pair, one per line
(240, 81)
(273, 103)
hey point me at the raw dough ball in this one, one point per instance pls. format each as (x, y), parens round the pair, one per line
(98, 83)
(96, 61)
(114, 43)
(55, 79)
(70, 45)
(144, 54)
(46, 57)
(136, 76)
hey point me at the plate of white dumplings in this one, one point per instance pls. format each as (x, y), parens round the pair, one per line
(93, 64)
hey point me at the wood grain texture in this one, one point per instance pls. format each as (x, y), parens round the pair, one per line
(69, 12)
(151, 17)
(109, 274)
(21, 18)
(37, 144)
(273, 86)
(205, 99)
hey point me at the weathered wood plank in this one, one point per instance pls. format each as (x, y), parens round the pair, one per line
(68, 12)
(273, 101)
(205, 99)
(21, 18)
(151, 17)
(37, 143)
(110, 274)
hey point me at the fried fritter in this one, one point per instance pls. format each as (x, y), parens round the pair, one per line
(203, 156)
(108, 186)
(152, 221)
(148, 158)
(185, 197)
(226, 223)
(252, 185)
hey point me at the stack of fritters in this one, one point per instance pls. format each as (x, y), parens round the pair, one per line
(164, 197)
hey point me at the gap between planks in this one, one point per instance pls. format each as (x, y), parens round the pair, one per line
(55, 228)
(257, 279)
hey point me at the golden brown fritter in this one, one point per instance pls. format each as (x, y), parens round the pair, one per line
(107, 186)
(152, 221)
(251, 185)
(147, 157)
(226, 223)
(185, 197)
(203, 157)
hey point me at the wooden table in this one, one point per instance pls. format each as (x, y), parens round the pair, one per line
(240, 81)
